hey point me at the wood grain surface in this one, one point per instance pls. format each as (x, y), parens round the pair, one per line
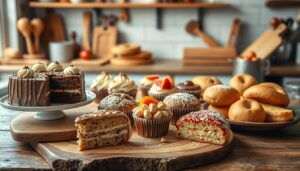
(138, 154)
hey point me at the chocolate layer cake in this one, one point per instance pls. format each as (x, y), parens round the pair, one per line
(40, 87)
(67, 88)
(29, 91)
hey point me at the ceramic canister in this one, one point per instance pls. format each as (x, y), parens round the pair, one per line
(258, 69)
(61, 51)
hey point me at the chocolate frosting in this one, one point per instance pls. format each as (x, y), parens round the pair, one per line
(28, 91)
(188, 85)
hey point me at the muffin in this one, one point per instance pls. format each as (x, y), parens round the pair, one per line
(151, 118)
(119, 101)
(190, 88)
(146, 84)
(100, 86)
(122, 84)
(162, 88)
(180, 104)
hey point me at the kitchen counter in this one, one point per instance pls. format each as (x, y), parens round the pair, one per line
(171, 67)
(278, 150)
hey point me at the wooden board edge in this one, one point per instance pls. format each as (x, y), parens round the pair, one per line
(133, 163)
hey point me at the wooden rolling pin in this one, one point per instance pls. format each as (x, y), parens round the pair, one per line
(37, 28)
(24, 26)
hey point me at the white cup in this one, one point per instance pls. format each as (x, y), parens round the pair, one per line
(61, 51)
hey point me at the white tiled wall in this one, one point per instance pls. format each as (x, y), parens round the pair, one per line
(170, 41)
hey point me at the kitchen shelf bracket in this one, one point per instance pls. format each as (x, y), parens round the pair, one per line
(200, 17)
(159, 18)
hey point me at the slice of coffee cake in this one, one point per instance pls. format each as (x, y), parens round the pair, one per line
(102, 128)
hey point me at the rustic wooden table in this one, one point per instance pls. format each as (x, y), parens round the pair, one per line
(278, 150)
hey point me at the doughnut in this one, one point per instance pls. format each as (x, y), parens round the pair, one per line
(221, 110)
(242, 81)
(205, 81)
(269, 93)
(247, 110)
(221, 95)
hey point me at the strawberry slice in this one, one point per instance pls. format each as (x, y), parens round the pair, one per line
(171, 80)
(147, 100)
(166, 84)
(152, 77)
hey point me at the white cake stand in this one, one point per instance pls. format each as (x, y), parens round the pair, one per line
(52, 112)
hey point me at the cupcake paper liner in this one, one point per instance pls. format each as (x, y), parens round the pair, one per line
(159, 97)
(178, 112)
(100, 95)
(196, 93)
(152, 128)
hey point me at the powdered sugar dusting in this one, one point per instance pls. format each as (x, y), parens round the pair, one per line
(221, 86)
(181, 100)
(208, 116)
(117, 101)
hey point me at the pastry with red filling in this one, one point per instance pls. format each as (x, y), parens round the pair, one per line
(204, 126)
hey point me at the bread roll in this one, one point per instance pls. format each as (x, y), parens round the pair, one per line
(205, 81)
(247, 110)
(269, 93)
(242, 82)
(277, 114)
(221, 95)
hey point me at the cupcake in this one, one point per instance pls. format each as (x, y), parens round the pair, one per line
(190, 88)
(162, 88)
(180, 104)
(146, 84)
(122, 84)
(119, 101)
(100, 86)
(151, 118)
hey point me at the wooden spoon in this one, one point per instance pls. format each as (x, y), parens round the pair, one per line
(192, 27)
(124, 16)
(37, 28)
(25, 29)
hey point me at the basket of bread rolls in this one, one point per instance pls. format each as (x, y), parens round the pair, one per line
(249, 105)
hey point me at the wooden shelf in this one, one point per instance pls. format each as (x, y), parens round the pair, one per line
(170, 67)
(128, 5)
(283, 3)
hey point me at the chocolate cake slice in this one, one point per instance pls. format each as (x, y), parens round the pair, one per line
(67, 88)
(28, 88)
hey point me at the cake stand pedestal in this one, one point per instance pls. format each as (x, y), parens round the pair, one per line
(48, 123)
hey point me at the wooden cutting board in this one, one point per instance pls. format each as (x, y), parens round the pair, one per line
(104, 38)
(128, 62)
(92, 62)
(267, 42)
(198, 53)
(213, 62)
(25, 128)
(138, 154)
(54, 30)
